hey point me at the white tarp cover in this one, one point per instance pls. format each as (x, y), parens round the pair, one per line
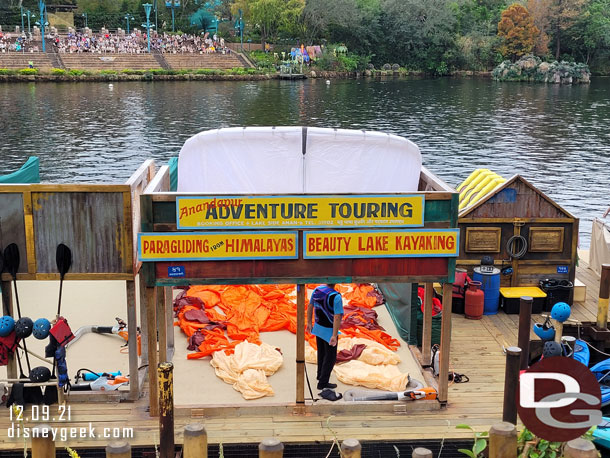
(600, 245)
(261, 160)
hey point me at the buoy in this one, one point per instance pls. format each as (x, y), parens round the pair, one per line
(327, 81)
(111, 86)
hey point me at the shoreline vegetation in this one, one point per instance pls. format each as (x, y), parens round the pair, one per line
(237, 74)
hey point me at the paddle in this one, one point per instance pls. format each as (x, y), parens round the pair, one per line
(12, 259)
(4, 306)
(63, 259)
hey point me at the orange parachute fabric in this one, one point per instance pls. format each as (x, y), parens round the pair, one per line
(245, 311)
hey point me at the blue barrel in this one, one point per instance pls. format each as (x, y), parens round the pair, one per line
(489, 277)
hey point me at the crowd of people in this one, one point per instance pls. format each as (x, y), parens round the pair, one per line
(135, 42)
(17, 43)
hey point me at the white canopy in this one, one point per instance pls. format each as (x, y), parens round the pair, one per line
(296, 160)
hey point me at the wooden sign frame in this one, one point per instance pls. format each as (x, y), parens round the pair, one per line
(158, 209)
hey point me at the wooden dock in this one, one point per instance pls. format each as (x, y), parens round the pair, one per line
(476, 352)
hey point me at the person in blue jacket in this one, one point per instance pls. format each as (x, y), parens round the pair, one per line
(328, 306)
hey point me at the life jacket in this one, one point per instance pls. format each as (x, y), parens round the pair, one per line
(8, 345)
(323, 301)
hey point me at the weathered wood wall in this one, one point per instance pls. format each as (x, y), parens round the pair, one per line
(520, 208)
(94, 221)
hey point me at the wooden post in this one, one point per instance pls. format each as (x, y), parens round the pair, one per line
(7, 298)
(300, 395)
(580, 448)
(351, 448)
(166, 410)
(426, 343)
(525, 321)
(132, 331)
(143, 319)
(118, 449)
(169, 321)
(503, 440)
(443, 382)
(195, 441)
(604, 294)
(42, 442)
(270, 448)
(421, 452)
(161, 326)
(153, 386)
(558, 330)
(511, 379)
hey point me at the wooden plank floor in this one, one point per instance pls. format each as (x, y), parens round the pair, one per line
(476, 352)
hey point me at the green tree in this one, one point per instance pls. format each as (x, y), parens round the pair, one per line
(564, 15)
(518, 31)
(596, 34)
(270, 16)
(419, 33)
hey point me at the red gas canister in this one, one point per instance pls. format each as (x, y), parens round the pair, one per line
(474, 302)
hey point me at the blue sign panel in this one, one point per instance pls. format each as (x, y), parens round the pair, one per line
(175, 271)
(562, 269)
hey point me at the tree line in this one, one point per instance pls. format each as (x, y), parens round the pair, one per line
(435, 36)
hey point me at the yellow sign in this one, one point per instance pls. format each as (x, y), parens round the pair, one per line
(298, 212)
(212, 246)
(382, 244)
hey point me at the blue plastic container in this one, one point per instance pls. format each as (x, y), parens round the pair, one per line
(489, 277)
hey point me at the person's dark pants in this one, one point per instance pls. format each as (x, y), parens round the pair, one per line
(327, 357)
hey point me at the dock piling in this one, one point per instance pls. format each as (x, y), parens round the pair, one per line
(421, 452)
(42, 442)
(195, 441)
(351, 448)
(270, 448)
(525, 320)
(511, 380)
(604, 295)
(503, 440)
(580, 448)
(166, 410)
(118, 449)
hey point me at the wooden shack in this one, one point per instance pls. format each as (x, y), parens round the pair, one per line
(518, 212)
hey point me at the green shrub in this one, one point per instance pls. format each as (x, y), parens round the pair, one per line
(76, 72)
(108, 72)
(28, 71)
(128, 71)
(7, 71)
(58, 71)
(209, 71)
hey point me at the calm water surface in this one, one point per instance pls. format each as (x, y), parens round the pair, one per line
(556, 137)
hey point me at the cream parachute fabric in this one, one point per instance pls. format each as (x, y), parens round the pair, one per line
(248, 367)
(376, 367)
(383, 377)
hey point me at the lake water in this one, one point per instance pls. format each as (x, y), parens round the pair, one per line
(558, 137)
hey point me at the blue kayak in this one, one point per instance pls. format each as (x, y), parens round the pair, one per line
(581, 352)
(602, 373)
(601, 434)
(28, 173)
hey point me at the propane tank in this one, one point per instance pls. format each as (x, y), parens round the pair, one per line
(474, 303)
